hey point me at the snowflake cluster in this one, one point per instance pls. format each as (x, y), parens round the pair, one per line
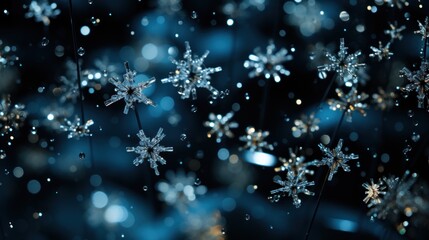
(349, 102)
(11, 116)
(418, 82)
(42, 11)
(220, 126)
(307, 124)
(77, 129)
(255, 140)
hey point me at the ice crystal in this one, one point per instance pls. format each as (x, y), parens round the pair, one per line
(129, 90)
(293, 185)
(349, 102)
(394, 31)
(7, 55)
(76, 129)
(381, 52)
(344, 64)
(384, 100)
(220, 126)
(296, 164)
(374, 192)
(42, 11)
(423, 29)
(268, 64)
(150, 149)
(335, 158)
(307, 124)
(11, 116)
(255, 140)
(418, 82)
(191, 74)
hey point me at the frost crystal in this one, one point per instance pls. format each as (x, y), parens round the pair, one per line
(268, 64)
(296, 164)
(384, 100)
(220, 126)
(381, 52)
(255, 140)
(374, 192)
(11, 116)
(190, 74)
(345, 65)
(129, 90)
(293, 185)
(305, 125)
(349, 102)
(423, 29)
(76, 129)
(394, 32)
(418, 82)
(42, 11)
(150, 149)
(7, 55)
(335, 158)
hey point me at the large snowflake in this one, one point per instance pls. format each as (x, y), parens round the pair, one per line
(42, 11)
(76, 129)
(268, 64)
(191, 74)
(150, 149)
(11, 116)
(335, 158)
(418, 82)
(130, 90)
(349, 102)
(255, 140)
(220, 126)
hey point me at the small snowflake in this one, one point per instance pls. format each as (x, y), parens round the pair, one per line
(423, 29)
(394, 32)
(129, 90)
(307, 124)
(76, 129)
(381, 52)
(349, 102)
(42, 11)
(190, 74)
(293, 185)
(335, 158)
(150, 149)
(268, 64)
(11, 116)
(374, 192)
(344, 64)
(384, 100)
(255, 140)
(418, 82)
(296, 164)
(7, 55)
(220, 126)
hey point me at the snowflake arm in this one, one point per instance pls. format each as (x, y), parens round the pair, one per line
(220, 126)
(383, 100)
(254, 140)
(296, 164)
(423, 29)
(394, 32)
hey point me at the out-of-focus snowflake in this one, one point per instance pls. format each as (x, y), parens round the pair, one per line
(374, 192)
(190, 74)
(307, 124)
(150, 149)
(344, 64)
(293, 185)
(54, 115)
(381, 52)
(418, 82)
(349, 102)
(2, 154)
(98, 76)
(12, 117)
(76, 129)
(220, 126)
(394, 31)
(180, 189)
(268, 64)
(129, 90)
(335, 158)
(170, 6)
(296, 164)
(236, 10)
(42, 11)
(423, 29)
(255, 140)
(393, 3)
(7, 55)
(384, 100)
(202, 225)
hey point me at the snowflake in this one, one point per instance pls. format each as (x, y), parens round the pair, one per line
(335, 158)
(77, 129)
(98, 76)
(293, 185)
(345, 65)
(418, 82)
(423, 29)
(56, 114)
(374, 192)
(349, 102)
(307, 124)
(236, 10)
(398, 3)
(11, 116)
(7, 55)
(296, 164)
(129, 90)
(255, 140)
(190, 74)
(150, 149)
(220, 126)
(384, 100)
(42, 11)
(381, 52)
(268, 64)
(394, 32)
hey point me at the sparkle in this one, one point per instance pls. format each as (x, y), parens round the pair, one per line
(220, 126)
(373, 192)
(76, 129)
(307, 124)
(418, 82)
(255, 140)
(381, 52)
(42, 11)
(349, 102)
(12, 117)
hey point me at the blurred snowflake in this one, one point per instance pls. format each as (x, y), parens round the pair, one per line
(202, 225)
(77, 128)
(255, 140)
(235, 10)
(170, 6)
(54, 115)
(129, 90)
(394, 3)
(384, 100)
(374, 192)
(394, 31)
(12, 117)
(97, 76)
(423, 29)
(418, 82)
(190, 74)
(307, 124)
(42, 11)
(335, 158)
(268, 64)
(381, 52)
(150, 149)
(296, 164)
(7, 55)
(220, 126)
(349, 102)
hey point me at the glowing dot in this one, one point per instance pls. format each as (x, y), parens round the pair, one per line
(298, 102)
(150, 51)
(85, 30)
(99, 199)
(50, 116)
(344, 16)
(230, 22)
(33, 186)
(223, 154)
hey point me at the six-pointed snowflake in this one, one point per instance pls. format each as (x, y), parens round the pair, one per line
(418, 82)
(296, 164)
(255, 140)
(383, 100)
(349, 102)
(394, 31)
(150, 149)
(11, 116)
(42, 11)
(191, 74)
(374, 192)
(129, 90)
(220, 126)
(76, 129)
(335, 158)
(307, 124)
(381, 52)
(268, 64)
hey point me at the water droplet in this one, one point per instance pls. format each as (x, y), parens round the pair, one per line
(145, 188)
(344, 16)
(81, 51)
(10, 225)
(194, 15)
(44, 42)
(247, 217)
(410, 113)
(322, 75)
(6, 12)
(82, 155)
(194, 108)
(182, 137)
(90, 2)
(197, 182)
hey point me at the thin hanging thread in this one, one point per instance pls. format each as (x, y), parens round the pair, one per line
(3, 232)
